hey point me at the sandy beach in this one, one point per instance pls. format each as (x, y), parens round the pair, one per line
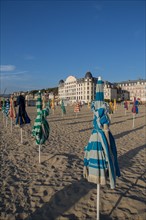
(55, 189)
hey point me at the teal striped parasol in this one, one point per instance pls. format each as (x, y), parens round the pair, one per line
(41, 127)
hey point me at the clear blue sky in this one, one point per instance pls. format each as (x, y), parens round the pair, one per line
(45, 41)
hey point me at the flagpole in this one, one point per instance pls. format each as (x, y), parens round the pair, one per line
(98, 200)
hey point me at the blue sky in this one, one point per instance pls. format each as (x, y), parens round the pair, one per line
(45, 41)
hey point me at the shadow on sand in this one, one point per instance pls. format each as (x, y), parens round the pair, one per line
(63, 200)
(127, 132)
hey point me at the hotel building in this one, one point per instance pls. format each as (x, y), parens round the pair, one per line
(136, 88)
(83, 89)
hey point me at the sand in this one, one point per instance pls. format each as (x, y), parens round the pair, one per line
(55, 188)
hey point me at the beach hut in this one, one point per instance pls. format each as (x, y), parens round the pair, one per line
(41, 127)
(100, 155)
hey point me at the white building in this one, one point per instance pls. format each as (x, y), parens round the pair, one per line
(83, 89)
(136, 88)
(110, 91)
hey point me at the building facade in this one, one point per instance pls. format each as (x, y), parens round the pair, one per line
(136, 88)
(83, 89)
(110, 91)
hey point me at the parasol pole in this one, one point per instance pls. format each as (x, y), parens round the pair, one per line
(133, 120)
(39, 153)
(21, 135)
(3, 118)
(6, 121)
(98, 200)
(11, 125)
(110, 116)
(76, 114)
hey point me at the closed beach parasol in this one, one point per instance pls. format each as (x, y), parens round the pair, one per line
(88, 104)
(22, 117)
(0, 105)
(100, 160)
(135, 109)
(7, 109)
(12, 110)
(111, 109)
(77, 108)
(115, 105)
(41, 127)
(126, 106)
(63, 108)
(53, 105)
(3, 108)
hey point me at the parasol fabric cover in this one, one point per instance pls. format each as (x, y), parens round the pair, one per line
(63, 107)
(111, 108)
(7, 108)
(3, 106)
(12, 108)
(22, 116)
(41, 127)
(126, 105)
(77, 107)
(100, 155)
(115, 104)
(135, 106)
(53, 104)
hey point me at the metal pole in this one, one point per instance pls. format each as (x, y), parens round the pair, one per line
(39, 153)
(133, 120)
(11, 125)
(98, 200)
(6, 121)
(21, 135)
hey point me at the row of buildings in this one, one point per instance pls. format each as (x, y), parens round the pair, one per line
(84, 89)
